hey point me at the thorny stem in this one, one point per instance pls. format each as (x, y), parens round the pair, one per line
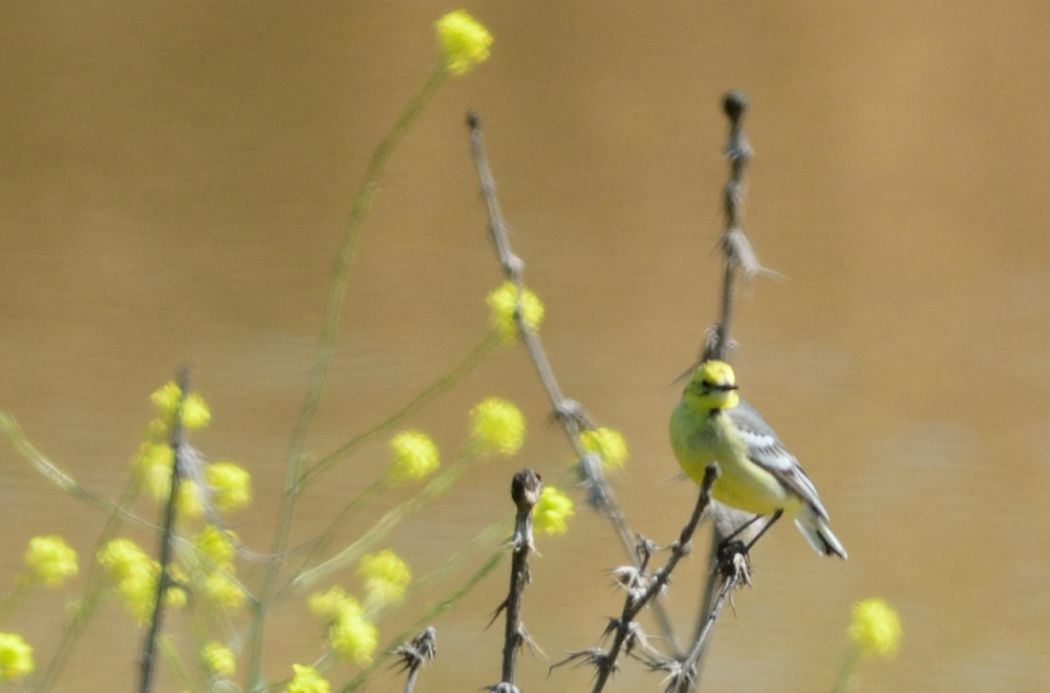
(633, 605)
(167, 539)
(739, 153)
(525, 491)
(570, 414)
(322, 361)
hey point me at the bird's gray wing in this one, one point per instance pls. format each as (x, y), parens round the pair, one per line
(766, 450)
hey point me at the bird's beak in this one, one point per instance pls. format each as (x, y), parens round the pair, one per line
(724, 388)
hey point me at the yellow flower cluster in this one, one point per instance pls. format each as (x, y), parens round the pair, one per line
(218, 659)
(195, 412)
(16, 657)
(608, 444)
(223, 590)
(386, 577)
(875, 628)
(414, 457)
(497, 427)
(50, 560)
(307, 680)
(350, 633)
(463, 40)
(502, 303)
(552, 512)
(229, 484)
(216, 544)
(135, 576)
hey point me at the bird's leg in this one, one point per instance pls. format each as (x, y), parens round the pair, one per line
(730, 548)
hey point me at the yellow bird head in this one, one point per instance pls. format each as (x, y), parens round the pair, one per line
(713, 386)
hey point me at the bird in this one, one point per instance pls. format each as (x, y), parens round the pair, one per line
(758, 475)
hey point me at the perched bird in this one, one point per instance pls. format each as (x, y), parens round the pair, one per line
(759, 475)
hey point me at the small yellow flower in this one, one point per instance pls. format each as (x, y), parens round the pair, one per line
(497, 427)
(231, 485)
(608, 444)
(16, 657)
(463, 40)
(414, 457)
(216, 545)
(331, 605)
(218, 659)
(355, 638)
(153, 465)
(195, 412)
(50, 560)
(552, 512)
(875, 628)
(223, 591)
(386, 577)
(122, 559)
(307, 680)
(502, 302)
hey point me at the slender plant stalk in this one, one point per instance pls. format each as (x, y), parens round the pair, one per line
(849, 665)
(147, 659)
(569, 413)
(323, 360)
(438, 387)
(738, 255)
(525, 491)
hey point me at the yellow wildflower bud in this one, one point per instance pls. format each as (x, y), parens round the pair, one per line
(50, 560)
(608, 444)
(223, 591)
(153, 465)
(875, 628)
(218, 659)
(464, 42)
(386, 577)
(122, 558)
(415, 457)
(502, 302)
(552, 512)
(330, 605)
(497, 427)
(195, 412)
(231, 485)
(354, 637)
(215, 544)
(16, 657)
(307, 680)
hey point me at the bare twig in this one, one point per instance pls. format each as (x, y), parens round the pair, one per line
(415, 654)
(167, 538)
(525, 491)
(569, 413)
(625, 631)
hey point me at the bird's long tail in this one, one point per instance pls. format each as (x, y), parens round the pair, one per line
(815, 529)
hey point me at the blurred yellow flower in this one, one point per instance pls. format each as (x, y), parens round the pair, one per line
(875, 628)
(331, 605)
(307, 680)
(50, 560)
(502, 302)
(216, 545)
(16, 657)
(223, 591)
(135, 575)
(497, 427)
(608, 444)
(464, 42)
(230, 484)
(552, 512)
(195, 412)
(354, 638)
(386, 577)
(218, 659)
(414, 457)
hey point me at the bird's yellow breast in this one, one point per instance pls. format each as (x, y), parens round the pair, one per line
(699, 438)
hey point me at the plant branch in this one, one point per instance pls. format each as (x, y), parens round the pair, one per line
(569, 413)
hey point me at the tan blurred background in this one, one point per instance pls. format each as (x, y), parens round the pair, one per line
(174, 179)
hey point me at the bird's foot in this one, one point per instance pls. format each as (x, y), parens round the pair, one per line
(734, 562)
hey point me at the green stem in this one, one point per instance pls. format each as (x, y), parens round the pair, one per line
(383, 526)
(849, 665)
(443, 384)
(323, 359)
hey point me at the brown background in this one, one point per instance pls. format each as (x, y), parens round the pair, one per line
(174, 178)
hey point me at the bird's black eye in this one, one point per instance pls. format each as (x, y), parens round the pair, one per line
(707, 384)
